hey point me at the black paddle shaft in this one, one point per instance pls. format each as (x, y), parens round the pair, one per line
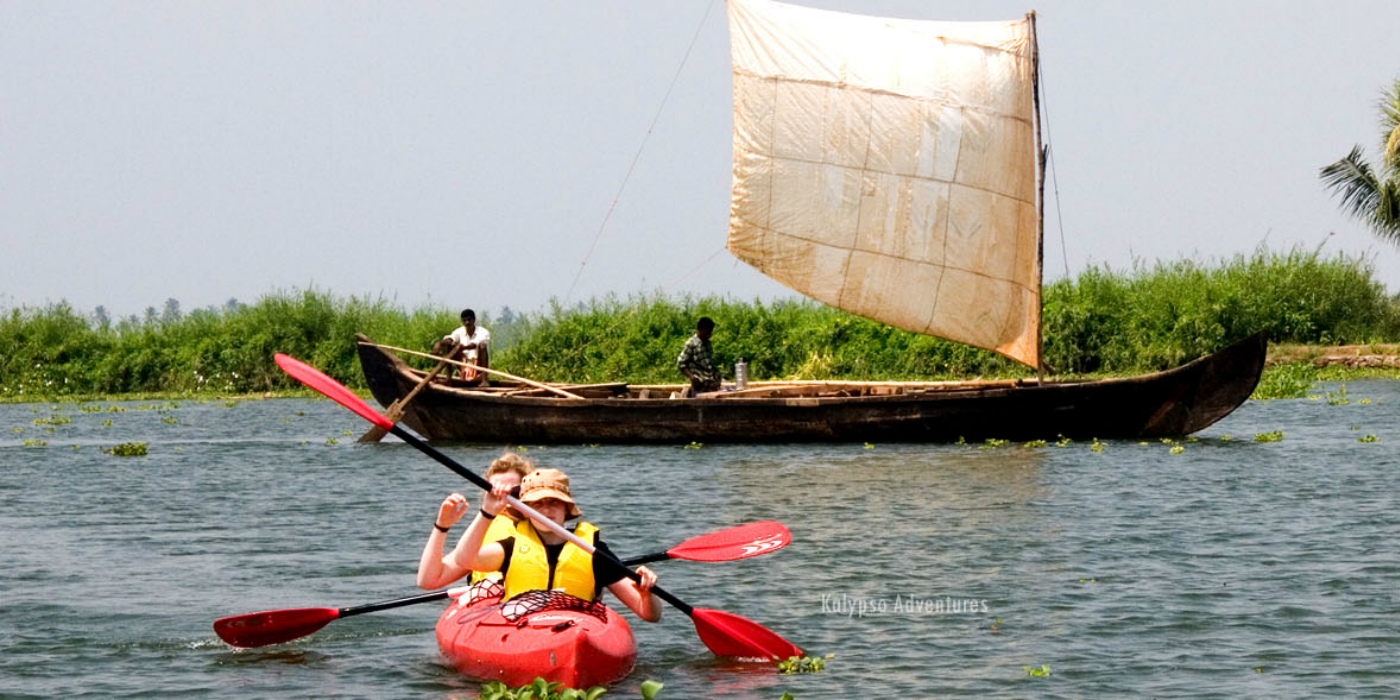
(646, 559)
(397, 603)
(481, 483)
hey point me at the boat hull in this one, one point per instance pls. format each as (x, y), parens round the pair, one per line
(1171, 403)
(561, 646)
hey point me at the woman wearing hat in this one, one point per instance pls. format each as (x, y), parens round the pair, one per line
(535, 558)
(436, 570)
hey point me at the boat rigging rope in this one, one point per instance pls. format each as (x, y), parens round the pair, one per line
(1054, 177)
(625, 178)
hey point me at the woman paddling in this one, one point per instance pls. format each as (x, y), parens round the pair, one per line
(436, 570)
(535, 558)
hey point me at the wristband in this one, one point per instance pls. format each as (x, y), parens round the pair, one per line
(441, 528)
(488, 515)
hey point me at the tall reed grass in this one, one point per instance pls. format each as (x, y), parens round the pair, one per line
(1158, 316)
(1103, 321)
(55, 351)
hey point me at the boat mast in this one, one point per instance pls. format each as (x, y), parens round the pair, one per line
(1039, 205)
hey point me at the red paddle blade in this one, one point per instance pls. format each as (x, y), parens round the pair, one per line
(333, 390)
(260, 629)
(727, 634)
(734, 543)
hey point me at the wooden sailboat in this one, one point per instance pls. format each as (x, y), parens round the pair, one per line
(892, 169)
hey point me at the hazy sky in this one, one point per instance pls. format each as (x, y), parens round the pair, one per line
(465, 153)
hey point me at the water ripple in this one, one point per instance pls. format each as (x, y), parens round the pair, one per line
(1234, 569)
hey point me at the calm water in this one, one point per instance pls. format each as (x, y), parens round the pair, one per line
(1233, 569)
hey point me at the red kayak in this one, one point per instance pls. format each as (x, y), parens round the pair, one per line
(537, 634)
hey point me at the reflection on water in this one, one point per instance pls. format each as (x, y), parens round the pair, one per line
(1234, 567)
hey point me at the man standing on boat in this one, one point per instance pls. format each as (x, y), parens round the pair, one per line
(696, 361)
(468, 344)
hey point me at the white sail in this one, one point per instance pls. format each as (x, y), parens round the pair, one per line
(888, 168)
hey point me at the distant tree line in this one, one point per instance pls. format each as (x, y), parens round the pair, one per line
(1103, 321)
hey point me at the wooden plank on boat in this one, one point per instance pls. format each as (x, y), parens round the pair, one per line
(591, 391)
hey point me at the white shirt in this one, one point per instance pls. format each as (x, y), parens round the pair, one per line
(480, 336)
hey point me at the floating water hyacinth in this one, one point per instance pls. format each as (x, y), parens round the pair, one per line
(128, 449)
(541, 689)
(1338, 397)
(803, 664)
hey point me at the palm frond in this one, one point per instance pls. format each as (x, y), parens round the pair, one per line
(1390, 129)
(1371, 197)
(1386, 220)
(1352, 179)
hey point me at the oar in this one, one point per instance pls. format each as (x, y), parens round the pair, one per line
(724, 633)
(731, 544)
(488, 370)
(395, 410)
(260, 629)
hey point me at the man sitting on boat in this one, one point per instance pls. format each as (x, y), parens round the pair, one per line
(436, 570)
(535, 558)
(468, 344)
(696, 361)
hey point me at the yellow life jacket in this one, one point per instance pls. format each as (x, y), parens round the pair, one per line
(501, 527)
(529, 566)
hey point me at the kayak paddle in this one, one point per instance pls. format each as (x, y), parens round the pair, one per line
(724, 633)
(732, 544)
(261, 629)
(395, 410)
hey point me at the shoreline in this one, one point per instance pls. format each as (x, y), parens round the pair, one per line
(1331, 362)
(1378, 355)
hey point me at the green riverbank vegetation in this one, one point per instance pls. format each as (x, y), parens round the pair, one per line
(1102, 322)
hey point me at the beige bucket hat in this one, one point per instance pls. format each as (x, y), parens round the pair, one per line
(548, 483)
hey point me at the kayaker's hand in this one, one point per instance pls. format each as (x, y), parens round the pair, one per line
(495, 501)
(452, 509)
(648, 579)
